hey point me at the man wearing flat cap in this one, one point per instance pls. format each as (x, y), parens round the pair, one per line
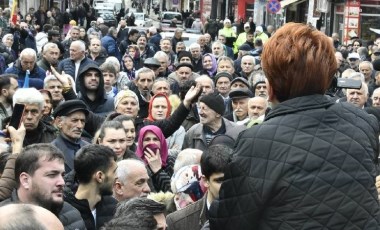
(212, 123)
(240, 98)
(70, 118)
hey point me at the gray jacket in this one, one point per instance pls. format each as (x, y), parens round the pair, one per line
(194, 138)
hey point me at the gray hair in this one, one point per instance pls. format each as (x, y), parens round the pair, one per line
(28, 52)
(49, 78)
(194, 46)
(114, 61)
(49, 46)
(29, 96)
(366, 63)
(160, 54)
(80, 44)
(204, 76)
(250, 58)
(123, 168)
(217, 43)
(187, 157)
(144, 70)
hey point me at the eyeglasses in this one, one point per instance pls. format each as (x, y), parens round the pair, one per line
(376, 53)
(353, 59)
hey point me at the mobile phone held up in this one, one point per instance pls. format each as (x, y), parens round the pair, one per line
(18, 112)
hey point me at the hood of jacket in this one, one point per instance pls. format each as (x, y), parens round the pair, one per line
(100, 92)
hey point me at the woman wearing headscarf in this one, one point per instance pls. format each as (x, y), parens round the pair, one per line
(160, 109)
(209, 65)
(153, 150)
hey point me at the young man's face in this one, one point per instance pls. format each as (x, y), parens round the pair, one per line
(213, 186)
(105, 189)
(46, 184)
(91, 80)
(109, 80)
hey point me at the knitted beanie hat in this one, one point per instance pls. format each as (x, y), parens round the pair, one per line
(215, 102)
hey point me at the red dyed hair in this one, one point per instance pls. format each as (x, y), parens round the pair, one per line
(298, 60)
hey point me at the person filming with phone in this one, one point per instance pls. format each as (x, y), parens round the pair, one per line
(36, 130)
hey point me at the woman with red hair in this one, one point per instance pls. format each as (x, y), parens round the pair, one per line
(311, 163)
(160, 109)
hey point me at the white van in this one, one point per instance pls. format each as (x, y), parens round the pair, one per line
(167, 16)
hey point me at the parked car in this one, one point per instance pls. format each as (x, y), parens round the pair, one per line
(188, 37)
(142, 20)
(109, 19)
(166, 18)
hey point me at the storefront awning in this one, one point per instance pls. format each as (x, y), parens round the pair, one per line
(288, 2)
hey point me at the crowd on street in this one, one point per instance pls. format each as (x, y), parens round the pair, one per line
(249, 127)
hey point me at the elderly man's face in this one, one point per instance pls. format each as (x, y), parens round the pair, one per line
(183, 73)
(145, 83)
(247, 65)
(261, 90)
(207, 116)
(196, 53)
(238, 85)
(366, 70)
(180, 47)
(166, 46)
(52, 56)
(256, 107)
(201, 41)
(76, 53)
(208, 38)
(222, 39)
(357, 97)
(376, 99)
(225, 66)
(32, 116)
(74, 34)
(27, 62)
(240, 107)
(135, 184)
(354, 62)
(217, 50)
(223, 85)
(163, 62)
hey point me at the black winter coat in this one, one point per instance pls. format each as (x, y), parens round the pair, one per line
(309, 165)
(105, 208)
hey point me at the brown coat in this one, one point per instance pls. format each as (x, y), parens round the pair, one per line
(7, 180)
(190, 218)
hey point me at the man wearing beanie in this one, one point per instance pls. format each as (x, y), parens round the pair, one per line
(211, 109)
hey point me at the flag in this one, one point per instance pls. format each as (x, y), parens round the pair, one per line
(13, 6)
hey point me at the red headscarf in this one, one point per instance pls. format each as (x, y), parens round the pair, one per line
(164, 146)
(150, 117)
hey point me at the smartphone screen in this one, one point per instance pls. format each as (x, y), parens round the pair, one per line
(17, 114)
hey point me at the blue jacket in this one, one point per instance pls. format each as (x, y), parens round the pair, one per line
(36, 77)
(109, 43)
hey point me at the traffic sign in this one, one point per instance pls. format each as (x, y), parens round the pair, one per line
(273, 6)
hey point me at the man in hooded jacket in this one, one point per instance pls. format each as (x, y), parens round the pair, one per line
(91, 91)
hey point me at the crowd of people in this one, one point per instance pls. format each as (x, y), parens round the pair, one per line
(126, 129)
